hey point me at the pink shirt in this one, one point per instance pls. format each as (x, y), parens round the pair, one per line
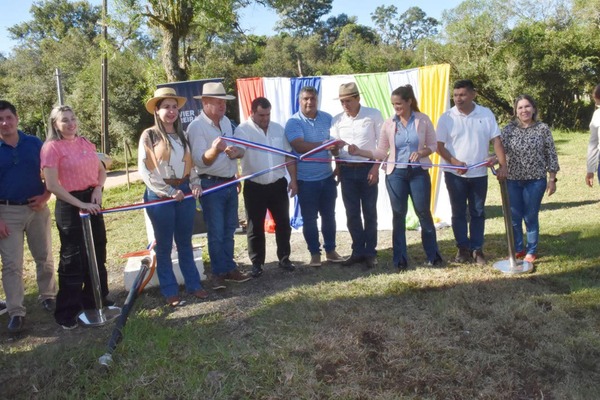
(75, 160)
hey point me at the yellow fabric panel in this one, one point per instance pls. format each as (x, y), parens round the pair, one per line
(434, 89)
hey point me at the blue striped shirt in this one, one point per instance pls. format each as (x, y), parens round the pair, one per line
(315, 131)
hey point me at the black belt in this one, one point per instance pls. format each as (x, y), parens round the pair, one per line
(356, 165)
(216, 178)
(13, 203)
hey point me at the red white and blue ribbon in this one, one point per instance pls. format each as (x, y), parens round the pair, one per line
(302, 158)
(259, 146)
(160, 202)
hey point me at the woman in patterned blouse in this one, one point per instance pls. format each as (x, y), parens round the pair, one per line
(531, 157)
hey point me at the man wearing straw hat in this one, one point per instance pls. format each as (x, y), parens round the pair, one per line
(360, 126)
(216, 164)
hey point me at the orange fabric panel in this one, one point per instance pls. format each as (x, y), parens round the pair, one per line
(248, 90)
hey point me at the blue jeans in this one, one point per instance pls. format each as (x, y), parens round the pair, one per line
(413, 182)
(525, 200)
(174, 221)
(220, 211)
(471, 192)
(357, 192)
(318, 197)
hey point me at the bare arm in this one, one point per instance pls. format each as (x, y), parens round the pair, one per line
(292, 170)
(502, 171)
(445, 154)
(97, 193)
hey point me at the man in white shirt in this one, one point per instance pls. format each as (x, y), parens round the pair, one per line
(268, 191)
(464, 134)
(216, 163)
(358, 125)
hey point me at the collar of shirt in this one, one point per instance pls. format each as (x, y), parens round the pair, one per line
(306, 119)
(223, 122)
(258, 128)
(454, 110)
(411, 119)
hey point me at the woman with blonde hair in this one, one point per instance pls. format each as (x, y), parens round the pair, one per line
(166, 167)
(75, 174)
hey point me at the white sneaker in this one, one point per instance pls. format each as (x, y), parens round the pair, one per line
(3, 307)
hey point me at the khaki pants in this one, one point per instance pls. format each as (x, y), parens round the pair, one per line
(23, 221)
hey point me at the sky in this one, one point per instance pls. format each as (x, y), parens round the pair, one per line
(256, 19)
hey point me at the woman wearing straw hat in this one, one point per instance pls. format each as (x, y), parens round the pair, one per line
(166, 167)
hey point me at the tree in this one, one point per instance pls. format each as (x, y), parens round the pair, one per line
(300, 17)
(53, 19)
(177, 20)
(406, 30)
(506, 52)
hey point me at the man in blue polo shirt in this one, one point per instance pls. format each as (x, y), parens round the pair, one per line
(307, 130)
(23, 211)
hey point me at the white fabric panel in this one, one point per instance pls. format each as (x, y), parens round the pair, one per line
(406, 77)
(241, 113)
(279, 92)
(330, 91)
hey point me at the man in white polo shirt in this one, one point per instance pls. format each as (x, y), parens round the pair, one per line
(464, 134)
(358, 125)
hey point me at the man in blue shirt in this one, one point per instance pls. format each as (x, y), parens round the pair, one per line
(23, 212)
(306, 130)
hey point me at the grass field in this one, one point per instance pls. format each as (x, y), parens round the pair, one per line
(457, 332)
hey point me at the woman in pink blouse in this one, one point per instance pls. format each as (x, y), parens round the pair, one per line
(406, 141)
(76, 176)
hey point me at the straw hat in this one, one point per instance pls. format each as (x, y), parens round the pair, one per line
(348, 90)
(216, 90)
(164, 93)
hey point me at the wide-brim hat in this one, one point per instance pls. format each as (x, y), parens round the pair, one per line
(348, 90)
(164, 93)
(216, 90)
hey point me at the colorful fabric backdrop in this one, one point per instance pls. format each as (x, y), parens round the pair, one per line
(431, 86)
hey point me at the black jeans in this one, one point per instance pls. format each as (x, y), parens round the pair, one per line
(257, 199)
(74, 283)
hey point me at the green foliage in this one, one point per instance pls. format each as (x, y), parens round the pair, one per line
(54, 19)
(405, 30)
(300, 17)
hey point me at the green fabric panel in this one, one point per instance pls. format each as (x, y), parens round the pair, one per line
(375, 92)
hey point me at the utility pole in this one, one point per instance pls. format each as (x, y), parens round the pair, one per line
(59, 88)
(104, 96)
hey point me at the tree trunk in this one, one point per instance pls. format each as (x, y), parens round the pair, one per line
(299, 61)
(170, 57)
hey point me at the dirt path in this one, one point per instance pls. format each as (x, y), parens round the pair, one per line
(116, 178)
